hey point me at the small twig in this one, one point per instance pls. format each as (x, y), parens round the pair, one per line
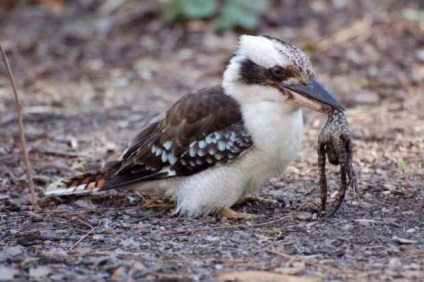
(418, 254)
(21, 131)
(87, 210)
(229, 262)
(64, 154)
(105, 253)
(327, 268)
(85, 236)
(358, 28)
(237, 226)
(80, 221)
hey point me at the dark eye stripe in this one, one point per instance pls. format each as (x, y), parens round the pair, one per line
(252, 73)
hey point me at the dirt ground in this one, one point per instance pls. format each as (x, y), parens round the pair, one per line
(90, 78)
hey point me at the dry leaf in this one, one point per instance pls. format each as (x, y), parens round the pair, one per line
(55, 6)
(262, 276)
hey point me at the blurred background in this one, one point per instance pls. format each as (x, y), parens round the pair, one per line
(92, 73)
(369, 50)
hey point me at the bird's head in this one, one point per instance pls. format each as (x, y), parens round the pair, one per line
(267, 63)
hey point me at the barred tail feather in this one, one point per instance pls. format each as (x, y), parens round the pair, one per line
(86, 183)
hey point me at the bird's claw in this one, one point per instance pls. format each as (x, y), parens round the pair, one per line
(231, 214)
(154, 203)
(257, 199)
(335, 144)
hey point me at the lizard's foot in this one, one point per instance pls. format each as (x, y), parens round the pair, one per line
(259, 199)
(335, 143)
(314, 207)
(229, 213)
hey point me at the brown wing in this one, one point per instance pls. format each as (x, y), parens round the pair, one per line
(201, 130)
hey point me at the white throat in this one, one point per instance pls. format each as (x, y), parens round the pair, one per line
(275, 124)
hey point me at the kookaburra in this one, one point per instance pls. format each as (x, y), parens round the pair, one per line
(219, 144)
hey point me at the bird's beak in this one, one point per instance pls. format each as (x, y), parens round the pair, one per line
(313, 96)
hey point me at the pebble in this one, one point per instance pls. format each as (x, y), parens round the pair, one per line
(403, 240)
(304, 216)
(219, 266)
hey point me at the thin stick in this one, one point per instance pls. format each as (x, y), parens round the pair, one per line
(327, 268)
(21, 131)
(237, 226)
(85, 236)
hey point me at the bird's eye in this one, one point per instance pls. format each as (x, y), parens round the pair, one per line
(278, 72)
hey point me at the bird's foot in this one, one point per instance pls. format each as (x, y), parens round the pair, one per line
(258, 199)
(154, 204)
(229, 213)
(158, 206)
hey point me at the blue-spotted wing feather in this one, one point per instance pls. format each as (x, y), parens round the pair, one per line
(219, 147)
(201, 130)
